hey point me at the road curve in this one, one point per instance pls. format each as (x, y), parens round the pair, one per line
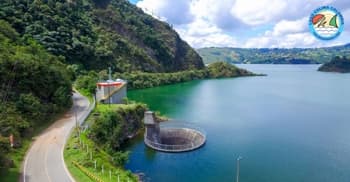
(44, 161)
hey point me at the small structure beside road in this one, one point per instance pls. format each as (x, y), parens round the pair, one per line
(111, 91)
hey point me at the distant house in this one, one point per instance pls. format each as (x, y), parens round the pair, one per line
(111, 91)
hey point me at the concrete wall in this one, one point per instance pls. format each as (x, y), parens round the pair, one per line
(116, 98)
(152, 126)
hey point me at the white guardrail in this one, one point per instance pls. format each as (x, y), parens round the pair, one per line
(84, 116)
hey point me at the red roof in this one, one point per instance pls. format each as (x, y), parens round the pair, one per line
(103, 84)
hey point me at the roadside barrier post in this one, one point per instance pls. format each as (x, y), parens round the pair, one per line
(237, 168)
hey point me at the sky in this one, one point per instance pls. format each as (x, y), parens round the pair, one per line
(245, 23)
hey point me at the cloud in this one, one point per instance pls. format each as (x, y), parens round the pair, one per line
(202, 33)
(346, 15)
(212, 40)
(288, 26)
(302, 39)
(216, 12)
(259, 11)
(289, 34)
(176, 12)
(243, 23)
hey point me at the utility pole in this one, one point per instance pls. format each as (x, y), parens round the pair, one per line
(109, 91)
(76, 120)
(109, 95)
(109, 73)
(95, 97)
(237, 168)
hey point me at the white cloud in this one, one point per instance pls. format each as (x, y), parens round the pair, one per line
(291, 40)
(288, 26)
(346, 15)
(217, 12)
(212, 40)
(200, 28)
(176, 12)
(202, 33)
(304, 39)
(260, 23)
(259, 11)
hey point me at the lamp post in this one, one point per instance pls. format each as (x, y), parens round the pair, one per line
(237, 168)
(76, 120)
(108, 81)
(109, 93)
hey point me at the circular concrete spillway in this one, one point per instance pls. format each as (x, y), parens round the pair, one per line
(171, 139)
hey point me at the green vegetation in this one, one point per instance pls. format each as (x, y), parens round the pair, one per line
(35, 86)
(83, 151)
(11, 171)
(337, 64)
(139, 80)
(45, 45)
(114, 124)
(111, 126)
(273, 56)
(86, 84)
(94, 35)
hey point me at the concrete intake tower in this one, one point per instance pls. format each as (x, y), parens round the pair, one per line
(171, 139)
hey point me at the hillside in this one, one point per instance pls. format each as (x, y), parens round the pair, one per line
(338, 64)
(94, 35)
(47, 45)
(273, 56)
(35, 86)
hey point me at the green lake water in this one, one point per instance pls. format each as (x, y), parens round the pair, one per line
(290, 126)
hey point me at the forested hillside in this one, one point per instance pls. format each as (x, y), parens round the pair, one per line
(95, 35)
(34, 85)
(337, 64)
(273, 56)
(47, 44)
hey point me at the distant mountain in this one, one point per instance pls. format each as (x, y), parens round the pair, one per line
(338, 64)
(274, 55)
(97, 34)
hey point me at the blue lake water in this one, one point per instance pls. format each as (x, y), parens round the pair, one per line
(290, 126)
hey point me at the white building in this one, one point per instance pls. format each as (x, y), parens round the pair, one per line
(111, 92)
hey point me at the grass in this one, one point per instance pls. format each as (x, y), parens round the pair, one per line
(78, 160)
(75, 151)
(102, 108)
(18, 154)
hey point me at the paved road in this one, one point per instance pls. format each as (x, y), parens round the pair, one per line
(44, 161)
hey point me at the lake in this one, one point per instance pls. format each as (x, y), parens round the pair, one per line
(290, 126)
